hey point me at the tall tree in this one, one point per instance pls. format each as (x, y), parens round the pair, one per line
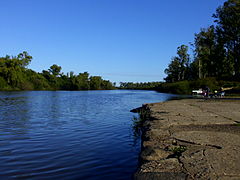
(173, 70)
(228, 26)
(177, 69)
(184, 60)
(204, 52)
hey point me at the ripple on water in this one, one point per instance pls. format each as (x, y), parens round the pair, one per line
(70, 135)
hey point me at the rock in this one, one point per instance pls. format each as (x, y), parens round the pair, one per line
(206, 129)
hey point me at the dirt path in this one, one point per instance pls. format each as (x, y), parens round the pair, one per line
(191, 139)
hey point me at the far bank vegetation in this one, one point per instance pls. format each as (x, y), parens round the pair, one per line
(14, 75)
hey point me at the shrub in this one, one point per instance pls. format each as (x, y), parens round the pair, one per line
(3, 83)
(182, 87)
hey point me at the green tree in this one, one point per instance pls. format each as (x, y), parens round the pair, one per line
(36, 81)
(173, 71)
(15, 76)
(12, 71)
(55, 69)
(204, 52)
(178, 68)
(24, 58)
(227, 18)
(95, 82)
(83, 79)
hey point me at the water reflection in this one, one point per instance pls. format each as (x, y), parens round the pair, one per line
(53, 109)
(14, 115)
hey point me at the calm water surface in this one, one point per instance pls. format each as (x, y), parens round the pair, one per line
(70, 135)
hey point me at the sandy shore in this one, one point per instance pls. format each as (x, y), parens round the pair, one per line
(191, 139)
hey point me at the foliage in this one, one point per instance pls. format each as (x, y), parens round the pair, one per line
(204, 52)
(228, 29)
(181, 87)
(216, 50)
(14, 75)
(178, 68)
(146, 85)
(178, 150)
(185, 87)
(3, 83)
(55, 70)
(24, 58)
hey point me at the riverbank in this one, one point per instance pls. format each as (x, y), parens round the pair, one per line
(191, 139)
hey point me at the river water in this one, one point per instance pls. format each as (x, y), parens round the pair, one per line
(70, 134)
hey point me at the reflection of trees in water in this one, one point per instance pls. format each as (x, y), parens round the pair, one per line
(136, 130)
(14, 117)
(61, 107)
(138, 123)
(137, 126)
(50, 110)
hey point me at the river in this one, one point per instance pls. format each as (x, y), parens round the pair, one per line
(70, 134)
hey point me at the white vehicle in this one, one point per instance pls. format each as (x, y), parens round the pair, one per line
(198, 92)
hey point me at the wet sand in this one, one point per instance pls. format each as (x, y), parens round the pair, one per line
(191, 139)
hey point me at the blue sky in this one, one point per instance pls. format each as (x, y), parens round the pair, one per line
(120, 40)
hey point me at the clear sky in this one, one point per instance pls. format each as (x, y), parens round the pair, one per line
(120, 40)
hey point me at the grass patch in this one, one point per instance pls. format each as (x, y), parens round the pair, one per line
(178, 150)
(238, 124)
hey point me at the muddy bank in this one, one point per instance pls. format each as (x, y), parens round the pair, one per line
(191, 139)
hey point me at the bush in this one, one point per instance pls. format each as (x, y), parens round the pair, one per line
(26, 85)
(3, 84)
(182, 87)
(212, 83)
(186, 87)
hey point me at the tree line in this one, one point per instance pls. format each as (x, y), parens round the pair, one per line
(14, 75)
(216, 49)
(140, 85)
